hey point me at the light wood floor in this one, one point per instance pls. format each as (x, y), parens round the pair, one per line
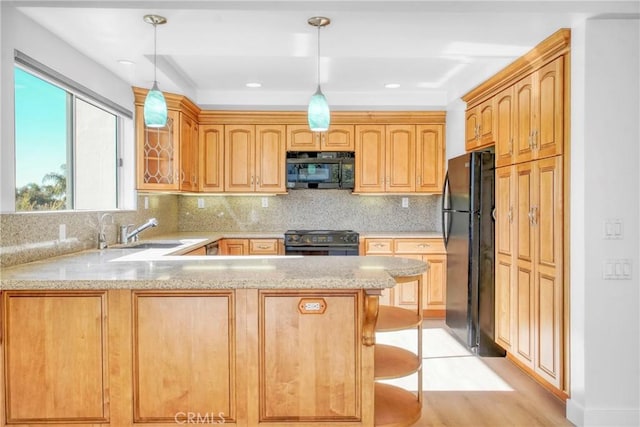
(462, 390)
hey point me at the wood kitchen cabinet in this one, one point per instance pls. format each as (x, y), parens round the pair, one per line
(251, 247)
(56, 366)
(337, 138)
(167, 158)
(430, 158)
(430, 250)
(385, 158)
(211, 152)
(529, 265)
(255, 158)
(479, 126)
(504, 127)
(539, 112)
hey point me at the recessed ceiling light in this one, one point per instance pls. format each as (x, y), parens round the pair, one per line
(254, 84)
(392, 85)
(125, 62)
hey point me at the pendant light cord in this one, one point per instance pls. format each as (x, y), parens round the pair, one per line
(318, 56)
(155, 52)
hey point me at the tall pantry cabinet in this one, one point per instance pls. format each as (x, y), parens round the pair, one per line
(530, 127)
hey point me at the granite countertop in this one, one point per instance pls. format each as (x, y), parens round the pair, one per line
(153, 269)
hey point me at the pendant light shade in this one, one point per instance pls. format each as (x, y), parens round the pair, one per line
(318, 114)
(155, 106)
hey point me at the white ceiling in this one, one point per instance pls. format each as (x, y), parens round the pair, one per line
(209, 50)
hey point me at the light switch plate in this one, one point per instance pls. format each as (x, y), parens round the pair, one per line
(405, 202)
(62, 232)
(612, 228)
(146, 202)
(200, 203)
(617, 269)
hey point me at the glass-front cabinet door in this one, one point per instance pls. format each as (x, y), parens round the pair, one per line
(158, 159)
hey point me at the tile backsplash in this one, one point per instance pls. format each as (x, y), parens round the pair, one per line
(26, 237)
(310, 209)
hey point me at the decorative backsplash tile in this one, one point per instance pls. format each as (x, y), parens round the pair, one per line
(33, 236)
(310, 209)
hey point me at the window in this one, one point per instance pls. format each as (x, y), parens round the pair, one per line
(66, 147)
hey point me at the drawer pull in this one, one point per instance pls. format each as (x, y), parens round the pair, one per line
(424, 245)
(264, 246)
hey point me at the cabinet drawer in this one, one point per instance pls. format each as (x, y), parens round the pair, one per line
(418, 246)
(263, 247)
(379, 247)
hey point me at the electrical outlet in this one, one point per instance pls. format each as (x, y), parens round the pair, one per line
(62, 232)
(146, 202)
(616, 269)
(265, 202)
(405, 202)
(200, 203)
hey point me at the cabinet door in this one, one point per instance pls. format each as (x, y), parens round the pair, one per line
(524, 280)
(327, 326)
(211, 152)
(406, 294)
(184, 361)
(485, 131)
(549, 109)
(523, 124)
(400, 158)
(548, 287)
(504, 266)
(234, 247)
(338, 138)
(158, 157)
(55, 358)
(503, 128)
(270, 159)
(188, 153)
(300, 138)
(429, 158)
(472, 123)
(435, 285)
(370, 158)
(239, 154)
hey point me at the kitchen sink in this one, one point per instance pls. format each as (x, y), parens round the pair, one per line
(152, 245)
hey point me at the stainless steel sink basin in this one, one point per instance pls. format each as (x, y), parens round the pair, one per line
(152, 245)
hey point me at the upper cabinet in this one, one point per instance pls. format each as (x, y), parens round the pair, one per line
(211, 153)
(399, 158)
(167, 158)
(479, 126)
(337, 138)
(255, 158)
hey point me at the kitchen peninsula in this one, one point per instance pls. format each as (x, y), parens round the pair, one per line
(111, 338)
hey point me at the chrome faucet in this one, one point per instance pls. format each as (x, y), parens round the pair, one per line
(127, 237)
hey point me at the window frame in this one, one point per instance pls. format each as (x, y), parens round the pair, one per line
(75, 91)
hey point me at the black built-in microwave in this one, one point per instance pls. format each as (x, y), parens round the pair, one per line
(320, 169)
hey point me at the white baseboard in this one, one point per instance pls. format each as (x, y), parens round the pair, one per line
(582, 417)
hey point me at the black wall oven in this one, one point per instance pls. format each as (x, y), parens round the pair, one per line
(321, 242)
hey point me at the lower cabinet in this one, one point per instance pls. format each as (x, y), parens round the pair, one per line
(146, 357)
(251, 247)
(430, 250)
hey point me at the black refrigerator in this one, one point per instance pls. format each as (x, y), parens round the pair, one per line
(468, 229)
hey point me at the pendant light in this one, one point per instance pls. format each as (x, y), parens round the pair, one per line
(155, 106)
(318, 114)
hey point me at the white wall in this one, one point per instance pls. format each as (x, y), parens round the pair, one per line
(455, 128)
(21, 33)
(605, 183)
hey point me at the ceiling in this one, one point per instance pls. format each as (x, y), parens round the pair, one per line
(209, 50)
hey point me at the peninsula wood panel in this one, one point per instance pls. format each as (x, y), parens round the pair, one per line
(211, 152)
(292, 344)
(184, 359)
(56, 368)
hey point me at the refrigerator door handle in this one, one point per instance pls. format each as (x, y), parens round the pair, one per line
(446, 196)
